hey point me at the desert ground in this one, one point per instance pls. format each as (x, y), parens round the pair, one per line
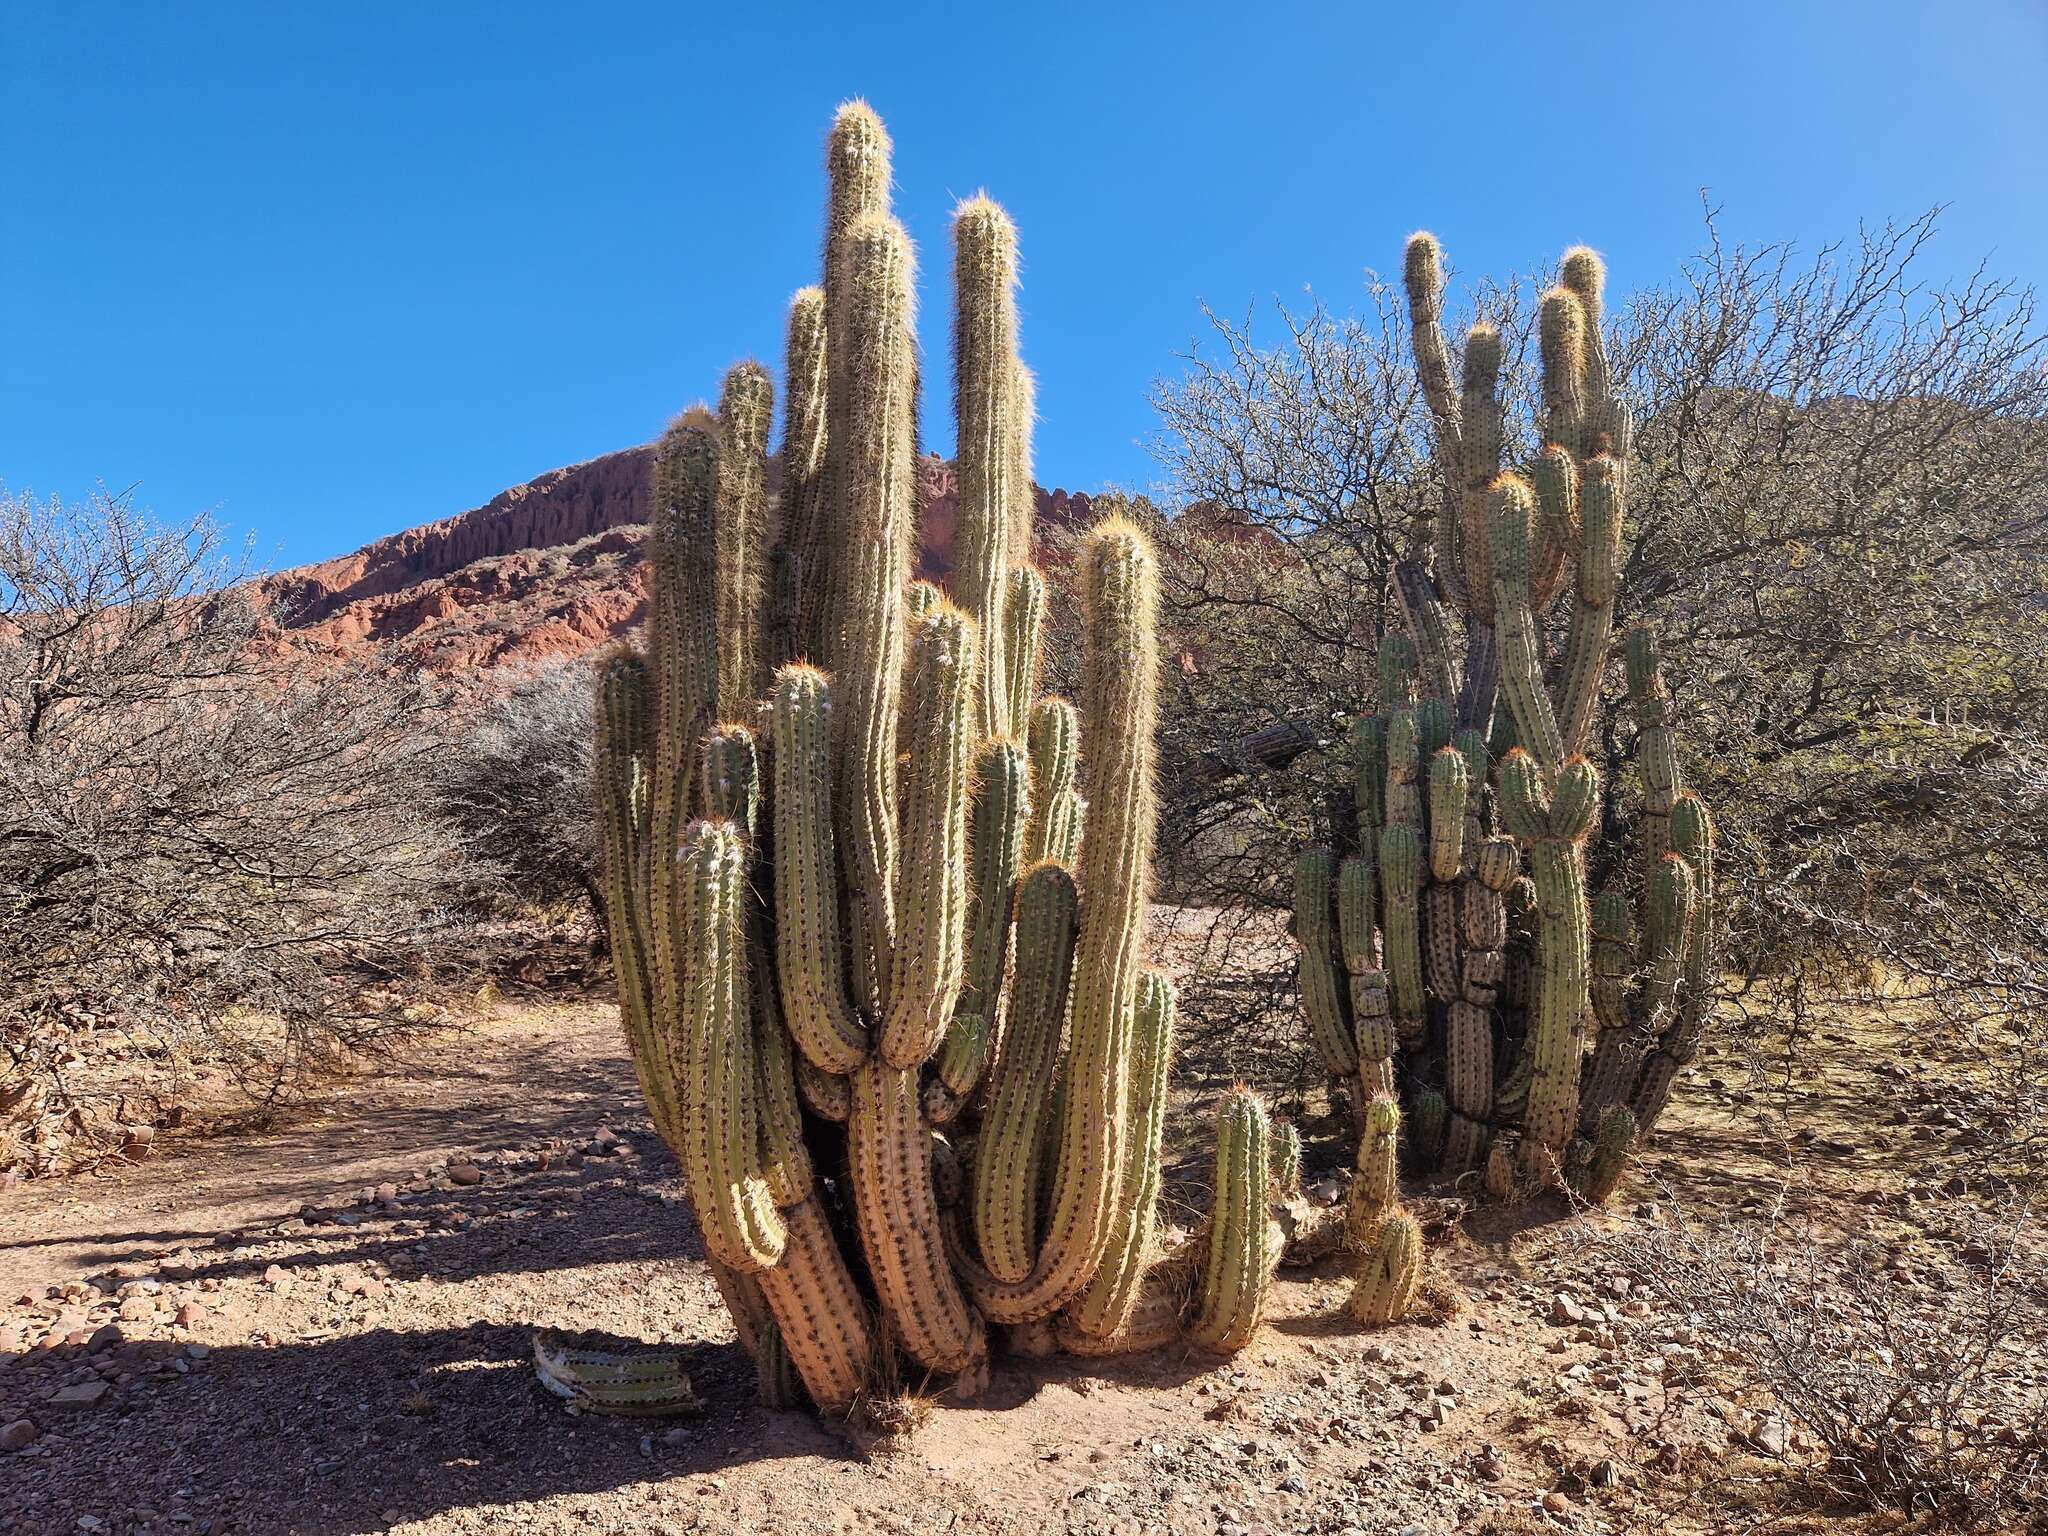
(326, 1327)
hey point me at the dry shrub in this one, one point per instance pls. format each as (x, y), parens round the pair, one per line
(1921, 1393)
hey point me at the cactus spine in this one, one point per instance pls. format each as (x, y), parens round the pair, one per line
(1473, 806)
(865, 930)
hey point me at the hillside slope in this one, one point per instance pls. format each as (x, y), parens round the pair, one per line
(546, 569)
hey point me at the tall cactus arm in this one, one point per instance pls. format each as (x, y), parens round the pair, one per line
(1584, 275)
(1512, 504)
(1592, 624)
(682, 656)
(619, 764)
(1314, 904)
(1369, 779)
(746, 413)
(721, 1147)
(1656, 743)
(1375, 1194)
(1482, 435)
(1120, 704)
(1002, 808)
(1024, 630)
(1692, 831)
(819, 1311)
(1007, 1165)
(1422, 611)
(729, 778)
(1561, 340)
(804, 560)
(1372, 1014)
(1634, 1010)
(1450, 786)
(932, 896)
(1422, 271)
(872, 351)
(1023, 492)
(890, 1151)
(1104, 1308)
(1240, 1251)
(1400, 879)
(1120, 586)
(1554, 828)
(811, 963)
(990, 413)
(784, 1159)
(1055, 760)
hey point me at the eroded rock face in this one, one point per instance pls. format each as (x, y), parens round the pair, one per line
(544, 570)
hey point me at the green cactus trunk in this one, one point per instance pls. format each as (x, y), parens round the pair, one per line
(1240, 1250)
(1493, 974)
(870, 919)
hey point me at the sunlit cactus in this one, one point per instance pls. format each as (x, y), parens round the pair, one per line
(878, 918)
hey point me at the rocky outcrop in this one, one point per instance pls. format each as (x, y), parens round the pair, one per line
(547, 569)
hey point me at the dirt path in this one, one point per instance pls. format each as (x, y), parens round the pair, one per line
(328, 1329)
(524, 1074)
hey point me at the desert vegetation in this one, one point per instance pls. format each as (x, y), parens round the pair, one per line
(1595, 784)
(207, 851)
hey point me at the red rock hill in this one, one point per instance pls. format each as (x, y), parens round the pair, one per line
(550, 568)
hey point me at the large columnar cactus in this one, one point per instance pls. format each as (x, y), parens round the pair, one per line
(1451, 949)
(878, 906)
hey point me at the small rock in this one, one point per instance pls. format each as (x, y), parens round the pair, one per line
(1771, 1435)
(15, 1436)
(1557, 1502)
(387, 1194)
(84, 1394)
(465, 1173)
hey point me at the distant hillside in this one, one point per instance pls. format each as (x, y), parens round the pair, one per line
(549, 568)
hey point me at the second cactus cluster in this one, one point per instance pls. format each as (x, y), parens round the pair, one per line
(878, 904)
(1459, 971)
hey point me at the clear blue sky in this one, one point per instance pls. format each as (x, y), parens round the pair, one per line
(335, 270)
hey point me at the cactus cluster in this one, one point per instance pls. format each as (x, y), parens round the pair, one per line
(1452, 952)
(878, 905)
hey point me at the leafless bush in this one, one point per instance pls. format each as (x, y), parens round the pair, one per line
(198, 828)
(1839, 523)
(1915, 1377)
(514, 785)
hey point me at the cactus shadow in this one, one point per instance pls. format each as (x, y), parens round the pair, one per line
(336, 1437)
(1016, 1380)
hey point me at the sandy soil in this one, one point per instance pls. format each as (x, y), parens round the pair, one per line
(328, 1329)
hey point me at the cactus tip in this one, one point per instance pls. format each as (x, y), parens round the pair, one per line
(1119, 532)
(1583, 271)
(856, 121)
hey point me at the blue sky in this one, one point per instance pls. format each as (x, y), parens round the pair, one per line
(331, 271)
